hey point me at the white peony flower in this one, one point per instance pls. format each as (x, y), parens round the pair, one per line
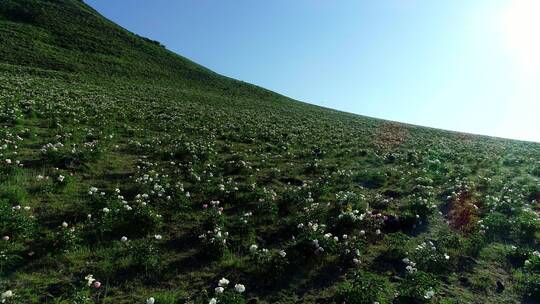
(239, 288)
(89, 279)
(429, 294)
(6, 294)
(223, 282)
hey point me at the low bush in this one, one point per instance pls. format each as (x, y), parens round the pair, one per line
(363, 288)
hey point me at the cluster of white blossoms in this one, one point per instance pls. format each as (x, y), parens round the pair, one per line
(222, 285)
(94, 190)
(244, 218)
(410, 265)
(215, 236)
(51, 147)
(8, 161)
(535, 254)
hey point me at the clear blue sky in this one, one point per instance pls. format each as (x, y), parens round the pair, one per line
(471, 66)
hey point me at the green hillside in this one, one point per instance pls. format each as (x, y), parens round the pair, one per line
(129, 174)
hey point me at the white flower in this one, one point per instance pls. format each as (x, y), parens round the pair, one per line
(64, 224)
(223, 282)
(124, 239)
(282, 253)
(61, 178)
(158, 237)
(219, 289)
(150, 300)
(89, 279)
(429, 294)
(253, 248)
(106, 210)
(239, 288)
(409, 268)
(212, 301)
(446, 256)
(6, 294)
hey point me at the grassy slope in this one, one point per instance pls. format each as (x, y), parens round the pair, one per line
(131, 115)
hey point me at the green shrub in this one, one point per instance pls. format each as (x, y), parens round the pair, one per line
(525, 227)
(397, 249)
(363, 288)
(230, 297)
(517, 255)
(16, 222)
(529, 284)
(371, 179)
(268, 264)
(536, 171)
(497, 225)
(139, 256)
(417, 287)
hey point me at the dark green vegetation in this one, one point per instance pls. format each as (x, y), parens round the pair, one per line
(121, 160)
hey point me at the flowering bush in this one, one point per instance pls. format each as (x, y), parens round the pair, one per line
(417, 287)
(517, 255)
(73, 157)
(525, 226)
(139, 256)
(431, 258)
(67, 239)
(10, 255)
(16, 221)
(268, 264)
(228, 294)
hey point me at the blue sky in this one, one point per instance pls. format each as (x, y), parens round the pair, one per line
(471, 66)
